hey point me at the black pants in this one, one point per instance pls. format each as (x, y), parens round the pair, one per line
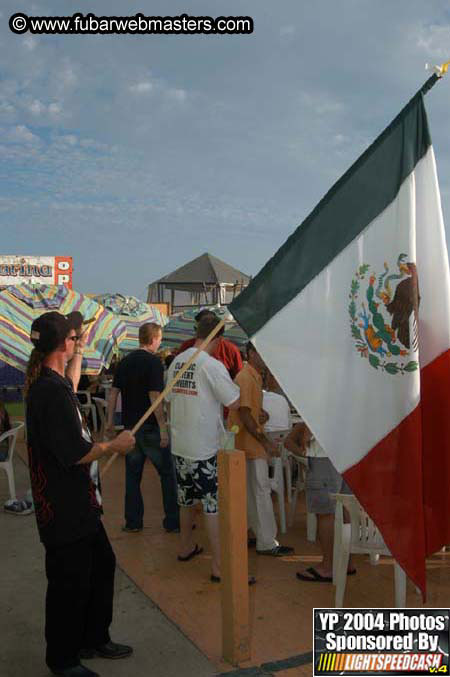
(79, 599)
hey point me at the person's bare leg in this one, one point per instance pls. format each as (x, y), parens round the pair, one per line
(212, 528)
(187, 517)
(325, 536)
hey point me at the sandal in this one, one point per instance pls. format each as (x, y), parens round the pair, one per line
(196, 551)
(217, 579)
(315, 576)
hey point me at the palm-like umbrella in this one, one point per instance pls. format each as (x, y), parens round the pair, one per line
(133, 314)
(181, 327)
(20, 305)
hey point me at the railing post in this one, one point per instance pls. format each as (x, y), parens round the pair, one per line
(234, 556)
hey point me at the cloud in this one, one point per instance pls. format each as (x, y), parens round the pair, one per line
(141, 87)
(55, 108)
(177, 94)
(36, 107)
(30, 42)
(66, 140)
(93, 145)
(68, 75)
(339, 139)
(21, 134)
(321, 103)
(6, 107)
(225, 144)
(435, 41)
(287, 31)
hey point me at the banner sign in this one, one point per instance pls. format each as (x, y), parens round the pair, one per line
(44, 269)
(381, 641)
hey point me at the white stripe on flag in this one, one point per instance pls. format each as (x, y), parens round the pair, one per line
(348, 404)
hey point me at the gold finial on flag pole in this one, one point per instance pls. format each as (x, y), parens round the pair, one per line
(438, 70)
(444, 68)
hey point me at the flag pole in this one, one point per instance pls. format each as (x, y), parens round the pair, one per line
(428, 84)
(167, 390)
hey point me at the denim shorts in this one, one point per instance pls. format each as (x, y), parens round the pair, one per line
(322, 479)
(197, 481)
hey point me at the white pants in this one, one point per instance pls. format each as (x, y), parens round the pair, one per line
(261, 519)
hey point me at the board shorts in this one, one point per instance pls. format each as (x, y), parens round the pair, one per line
(322, 479)
(197, 482)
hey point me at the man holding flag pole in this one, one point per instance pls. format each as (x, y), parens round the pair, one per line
(358, 299)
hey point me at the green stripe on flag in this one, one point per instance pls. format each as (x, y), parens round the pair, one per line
(354, 201)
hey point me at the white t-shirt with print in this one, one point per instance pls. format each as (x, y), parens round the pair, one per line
(196, 405)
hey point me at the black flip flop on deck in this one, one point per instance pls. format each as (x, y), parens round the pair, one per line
(315, 577)
(217, 579)
(196, 551)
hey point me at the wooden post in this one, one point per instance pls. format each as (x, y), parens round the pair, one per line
(234, 556)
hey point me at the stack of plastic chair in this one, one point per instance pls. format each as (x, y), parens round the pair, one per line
(88, 407)
(7, 466)
(301, 463)
(102, 408)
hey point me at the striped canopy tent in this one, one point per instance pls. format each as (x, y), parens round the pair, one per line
(181, 327)
(133, 313)
(20, 305)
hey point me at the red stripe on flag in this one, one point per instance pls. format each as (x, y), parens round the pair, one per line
(435, 404)
(388, 484)
(403, 483)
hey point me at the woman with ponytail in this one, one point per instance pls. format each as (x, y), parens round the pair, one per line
(80, 562)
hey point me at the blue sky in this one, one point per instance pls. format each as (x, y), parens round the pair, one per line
(135, 154)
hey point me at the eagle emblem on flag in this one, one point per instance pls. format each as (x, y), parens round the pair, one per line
(383, 314)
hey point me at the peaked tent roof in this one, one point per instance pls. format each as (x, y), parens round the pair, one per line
(205, 268)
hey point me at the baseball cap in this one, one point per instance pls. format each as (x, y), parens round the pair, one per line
(49, 330)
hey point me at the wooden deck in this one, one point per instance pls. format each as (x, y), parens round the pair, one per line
(281, 606)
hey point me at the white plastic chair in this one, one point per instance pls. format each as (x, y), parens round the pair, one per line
(301, 462)
(361, 536)
(291, 460)
(88, 407)
(7, 466)
(102, 409)
(277, 481)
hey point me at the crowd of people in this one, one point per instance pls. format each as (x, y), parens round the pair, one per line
(181, 438)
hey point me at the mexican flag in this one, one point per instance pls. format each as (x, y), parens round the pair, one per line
(352, 315)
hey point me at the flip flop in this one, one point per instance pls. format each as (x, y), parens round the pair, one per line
(217, 579)
(196, 551)
(315, 577)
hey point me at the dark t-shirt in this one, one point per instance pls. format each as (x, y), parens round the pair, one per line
(137, 374)
(66, 501)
